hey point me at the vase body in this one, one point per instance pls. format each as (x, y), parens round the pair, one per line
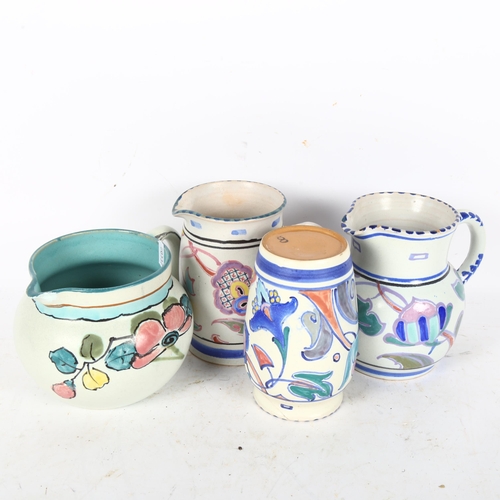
(103, 324)
(223, 226)
(301, 323)
(410, 299)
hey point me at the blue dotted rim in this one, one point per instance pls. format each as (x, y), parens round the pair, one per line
(396, 230)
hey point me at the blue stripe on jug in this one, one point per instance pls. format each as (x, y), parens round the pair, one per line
(214, 352)
(401, 281)
(328, 275)
(388, 373)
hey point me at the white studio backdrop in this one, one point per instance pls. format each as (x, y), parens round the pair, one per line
(110, 110)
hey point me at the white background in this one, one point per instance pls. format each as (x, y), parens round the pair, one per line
(110, 110)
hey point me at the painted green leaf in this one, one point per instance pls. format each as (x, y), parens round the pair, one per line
(449, 310)
(349, 365)
(188, 283)
(121, 357)
(368, 322)
(390, 339)
(169, 301)
(283, 348)
(459, 289)
(92, 347)
(409, 361)
(64, 360)
(310, 385)
(172, 353)
(186, 304)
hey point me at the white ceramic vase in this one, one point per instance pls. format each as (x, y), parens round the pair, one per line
(301, 323)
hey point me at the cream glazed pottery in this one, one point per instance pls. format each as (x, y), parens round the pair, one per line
(410, 299)
(223, 224)
(301, 323)
(103, 323)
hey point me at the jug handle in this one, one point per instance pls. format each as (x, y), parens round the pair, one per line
(171, 238)
(477, 244)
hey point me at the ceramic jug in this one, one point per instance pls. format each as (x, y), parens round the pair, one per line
(223, 224)
(103, 323)
(410, 298)
(301, 322)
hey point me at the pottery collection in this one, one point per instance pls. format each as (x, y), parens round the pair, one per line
(110, 314)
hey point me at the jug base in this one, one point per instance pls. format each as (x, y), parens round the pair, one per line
(390, 374)
(298, 412)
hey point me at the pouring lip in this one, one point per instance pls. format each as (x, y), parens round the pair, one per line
(33, 292)
(176, 211)
(373, 229)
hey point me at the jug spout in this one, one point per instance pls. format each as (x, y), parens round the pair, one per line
(33, 289)
(101, 308)
(243, 208)
(99, 274)
(229, 200)
(224, 222)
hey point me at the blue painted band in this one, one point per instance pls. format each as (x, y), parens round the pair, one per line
(303, 275)
(215, 352)
(391, 373)
(392, 279)
(408, 235)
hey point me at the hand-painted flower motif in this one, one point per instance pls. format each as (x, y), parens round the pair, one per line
(270, 316)
(421, 322)
(231, 284)
(152, 337)
(65, 389)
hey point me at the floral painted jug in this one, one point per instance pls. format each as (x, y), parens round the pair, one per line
(103, 324)
(410, 299)
(223, 225)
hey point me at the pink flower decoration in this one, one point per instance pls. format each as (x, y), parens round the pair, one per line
(65, 389)
(153, 337)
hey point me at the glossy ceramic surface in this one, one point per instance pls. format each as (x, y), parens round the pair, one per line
(103, 323)
(410, 299)
(223, 225)
(301, 323)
